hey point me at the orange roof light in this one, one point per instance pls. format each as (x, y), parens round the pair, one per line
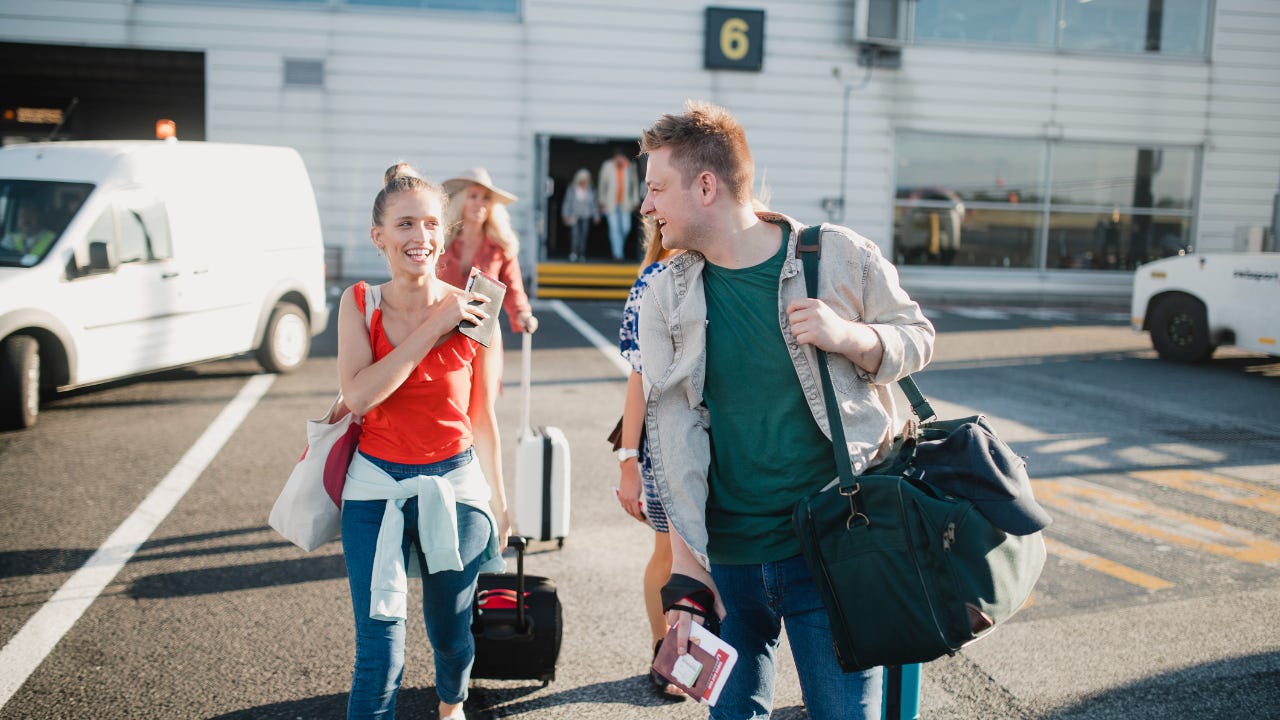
(166, 130)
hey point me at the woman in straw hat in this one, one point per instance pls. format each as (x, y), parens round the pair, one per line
(478, 233)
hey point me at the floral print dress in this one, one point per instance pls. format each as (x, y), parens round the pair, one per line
(629, 345)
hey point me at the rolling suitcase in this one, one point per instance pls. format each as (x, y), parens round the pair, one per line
(516, 641)
(542, 469)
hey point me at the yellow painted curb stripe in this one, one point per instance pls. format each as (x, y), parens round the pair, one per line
(1122, 511)
(1215, 487)
(581, 293)
(611, 271)
(1105, 566)
(577, 280)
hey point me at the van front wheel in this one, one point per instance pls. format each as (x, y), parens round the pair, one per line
(1180, 330)
(287, 341)
(19, 382)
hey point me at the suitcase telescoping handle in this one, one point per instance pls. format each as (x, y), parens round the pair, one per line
(526, 372)
(518, 543)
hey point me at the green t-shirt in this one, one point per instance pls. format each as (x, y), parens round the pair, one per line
(767, 451)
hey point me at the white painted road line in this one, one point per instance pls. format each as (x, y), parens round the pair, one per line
(33, 643)
(606, 348)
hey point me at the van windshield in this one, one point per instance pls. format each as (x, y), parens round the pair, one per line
(34, 214)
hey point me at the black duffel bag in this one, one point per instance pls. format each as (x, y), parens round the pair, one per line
(927, 551)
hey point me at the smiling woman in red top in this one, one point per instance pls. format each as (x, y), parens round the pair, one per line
(425, 487)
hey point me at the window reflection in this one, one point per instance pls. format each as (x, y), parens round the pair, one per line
(1112, 176)
(1001, 22)
(1114, 241)
(976, 169)
(1170, 27)
(980, 202)
(966, 237)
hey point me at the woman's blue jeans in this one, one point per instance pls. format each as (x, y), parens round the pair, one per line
(759, 599)
(446, 598)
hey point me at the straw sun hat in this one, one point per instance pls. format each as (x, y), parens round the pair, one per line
(478, 176)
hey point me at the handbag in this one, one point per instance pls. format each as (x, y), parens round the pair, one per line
(928, 550)
(308, 511)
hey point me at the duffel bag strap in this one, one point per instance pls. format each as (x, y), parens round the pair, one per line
(810, 251)
(919, 405)
(809, 248)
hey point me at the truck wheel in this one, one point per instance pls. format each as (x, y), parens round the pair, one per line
(1180, 330)
(19, 382)
(287, 341)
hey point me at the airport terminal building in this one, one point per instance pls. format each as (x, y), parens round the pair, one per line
(1028, 149)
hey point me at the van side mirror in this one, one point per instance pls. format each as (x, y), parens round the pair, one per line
(99, 257)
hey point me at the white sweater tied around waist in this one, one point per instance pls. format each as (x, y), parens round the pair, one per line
(438, 496)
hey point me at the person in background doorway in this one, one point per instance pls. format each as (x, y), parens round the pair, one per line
(635, 491)
(737, 431)
(580, 212)
(619, 193)
(424, 491)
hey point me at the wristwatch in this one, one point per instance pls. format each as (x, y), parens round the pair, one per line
(626, 453)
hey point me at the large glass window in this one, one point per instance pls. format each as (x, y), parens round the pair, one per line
(968, 201)
(984, 202)
(507, 7)
(1000, 22)
(1169, 27)
(1117, 176)
(503, 7)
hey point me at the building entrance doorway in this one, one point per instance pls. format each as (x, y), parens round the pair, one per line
(565, 156)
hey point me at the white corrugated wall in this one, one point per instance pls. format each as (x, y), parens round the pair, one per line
(449, 90)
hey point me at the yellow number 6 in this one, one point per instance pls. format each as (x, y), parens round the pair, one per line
(733, 38)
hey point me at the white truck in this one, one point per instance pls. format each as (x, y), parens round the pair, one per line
(126, 257)
(1193, 303)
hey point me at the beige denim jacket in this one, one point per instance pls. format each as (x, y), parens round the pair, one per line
(856, 281)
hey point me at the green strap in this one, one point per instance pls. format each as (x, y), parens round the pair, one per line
(919, 405)
(809, 249)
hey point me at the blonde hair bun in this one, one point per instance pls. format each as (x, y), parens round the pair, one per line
(399, 170)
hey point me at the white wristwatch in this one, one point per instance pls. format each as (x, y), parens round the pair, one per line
(625, 454)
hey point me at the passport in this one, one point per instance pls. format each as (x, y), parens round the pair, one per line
(493, 289)
(702, 671)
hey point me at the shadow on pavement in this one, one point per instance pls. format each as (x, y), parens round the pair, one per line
(206, 581)
(411, 703)
(1196, 692)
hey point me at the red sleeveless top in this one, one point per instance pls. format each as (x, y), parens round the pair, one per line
(425, 420)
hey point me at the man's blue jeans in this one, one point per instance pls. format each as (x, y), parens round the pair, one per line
(759, 599)
(619, 228)
(446, 599)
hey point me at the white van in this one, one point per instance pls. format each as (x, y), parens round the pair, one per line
(125, 257)
(1194, 303)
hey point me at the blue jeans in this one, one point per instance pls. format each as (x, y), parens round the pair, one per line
(759, 599)
(578, 233)
(446, 598)
(619, 228)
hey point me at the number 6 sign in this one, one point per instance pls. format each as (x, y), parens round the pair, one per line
(734, 39)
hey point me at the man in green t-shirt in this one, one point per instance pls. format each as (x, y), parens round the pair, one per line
(736, 424)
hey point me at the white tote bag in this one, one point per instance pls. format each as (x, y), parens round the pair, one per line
(304, 513)
(308, 512)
